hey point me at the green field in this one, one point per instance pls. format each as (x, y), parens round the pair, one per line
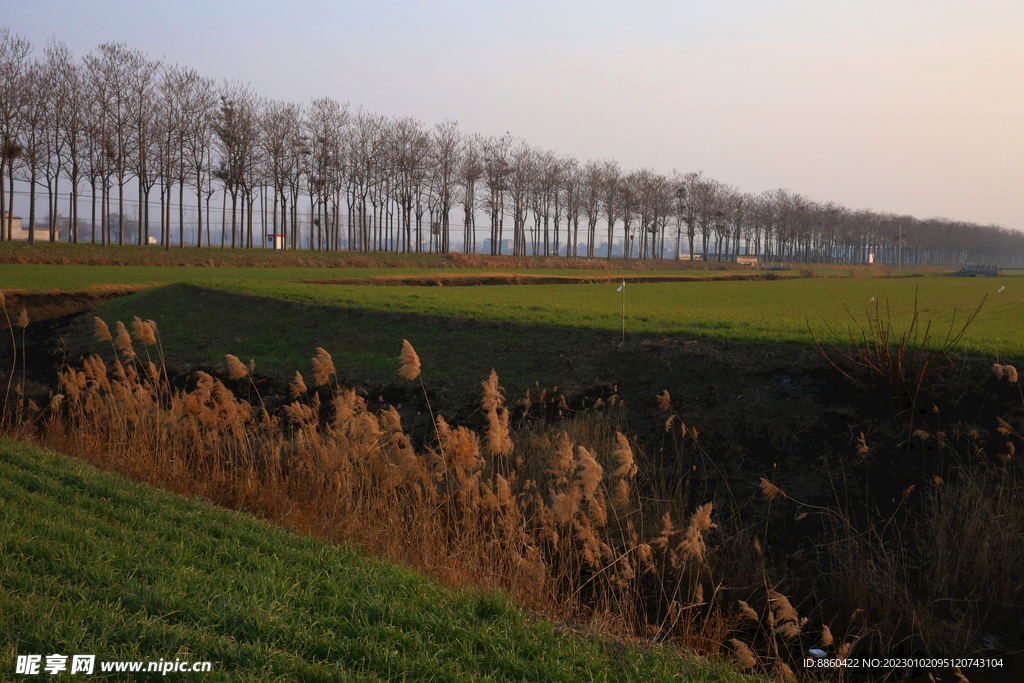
(95, 564)
(767, 311)
(775, 311)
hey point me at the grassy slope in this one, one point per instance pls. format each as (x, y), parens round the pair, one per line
(198, 327)
(93, 564)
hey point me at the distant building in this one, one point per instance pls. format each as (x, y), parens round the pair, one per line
(20, 232)
(506, 246)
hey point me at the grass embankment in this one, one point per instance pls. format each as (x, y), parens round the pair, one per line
(96, 564)
(93, 254)
(78, 277)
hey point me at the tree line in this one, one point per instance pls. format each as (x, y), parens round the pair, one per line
(327, 176)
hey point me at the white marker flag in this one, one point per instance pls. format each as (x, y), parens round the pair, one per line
(621, 286)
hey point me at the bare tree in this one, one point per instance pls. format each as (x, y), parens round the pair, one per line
(722, 227)
(547, 177)
(56, 104)
(611, 178)
(497, 162)
(141, 82)
(444, 164)
(624, 197)
(237, 134)
(113, 66)
(14, 65)
(365, 146)
(572, 197)
(522, 168)
(324, 130)
(593, 191)
(97, 158)
(470, 170)
(169, 133)
(199, 111)
(73, 125)
(34, 116)
(408, 149)
(705, 195)
(653, 206)
(281, 130)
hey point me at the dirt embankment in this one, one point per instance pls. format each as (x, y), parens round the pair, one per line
(48, 306)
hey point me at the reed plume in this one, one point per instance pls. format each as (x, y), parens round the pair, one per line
(236, 368)
(323, 368)
(410, 362)
(102, 331)
(745, 658)
(623, 455)
(123, 341)
(298, 387)
(498, 440)
(144, 331)
(770, 490)
(748, 612)
(664, 400)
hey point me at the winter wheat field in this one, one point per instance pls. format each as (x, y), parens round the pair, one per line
(747, 467)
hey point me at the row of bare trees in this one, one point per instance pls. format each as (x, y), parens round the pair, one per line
(324, 176)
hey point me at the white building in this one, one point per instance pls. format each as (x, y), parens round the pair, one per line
(20, 232)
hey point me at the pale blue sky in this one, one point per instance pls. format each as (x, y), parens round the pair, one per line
(908, 106)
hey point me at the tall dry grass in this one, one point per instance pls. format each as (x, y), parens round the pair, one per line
(553, 517)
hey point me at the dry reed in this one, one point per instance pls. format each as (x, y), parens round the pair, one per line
(410, 362)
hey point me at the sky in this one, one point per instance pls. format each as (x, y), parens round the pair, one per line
(905, 106)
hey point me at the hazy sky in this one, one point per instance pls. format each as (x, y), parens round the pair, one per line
(909, 106)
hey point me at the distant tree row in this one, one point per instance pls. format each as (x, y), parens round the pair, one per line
(327, 177)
